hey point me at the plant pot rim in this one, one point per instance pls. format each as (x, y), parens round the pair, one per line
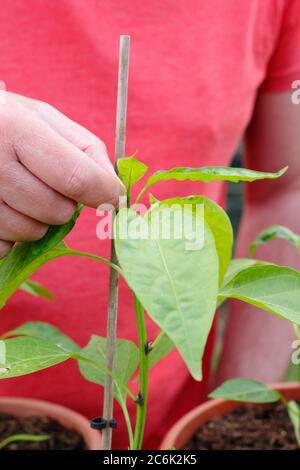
(19, 406)
(184, 429)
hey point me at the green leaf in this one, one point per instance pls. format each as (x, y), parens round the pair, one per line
(239, 264)
(218, 221)
(209, 173)
(25, 355)
(245, 390)
(234, 267)
(126, 363)
(45, 331)
(175, 280)
(161, 347)
(292, 373)
(294, 414)
(275, 289)
(153, 200)
(275, 231)
(26, 258)
(130, 171)
(34, 288)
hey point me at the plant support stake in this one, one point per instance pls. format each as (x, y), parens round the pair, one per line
(114, 278)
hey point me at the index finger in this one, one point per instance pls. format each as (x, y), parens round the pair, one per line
(61, 165)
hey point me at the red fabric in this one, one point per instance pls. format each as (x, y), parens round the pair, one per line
(195, 70)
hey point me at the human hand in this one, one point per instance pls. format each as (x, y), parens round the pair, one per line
(48, 163)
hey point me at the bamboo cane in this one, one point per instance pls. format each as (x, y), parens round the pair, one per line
(108, 404)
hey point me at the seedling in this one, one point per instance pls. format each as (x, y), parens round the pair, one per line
(248, 390)
(178, 280)
(252, 391)
(284, 233)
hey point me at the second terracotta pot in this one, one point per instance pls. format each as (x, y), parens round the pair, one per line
(183, 431)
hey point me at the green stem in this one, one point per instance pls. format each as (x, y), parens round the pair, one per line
(128, 423)
(142, 399)
(284, 401)
(22, 438)
(70, 252)
(140, 195)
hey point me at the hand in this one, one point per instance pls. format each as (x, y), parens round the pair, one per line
(48, 163)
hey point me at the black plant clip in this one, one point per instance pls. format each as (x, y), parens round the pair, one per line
(140, 399)
(112, 423)
(102, 423)
(148, 348)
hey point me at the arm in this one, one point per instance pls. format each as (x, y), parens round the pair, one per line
(258, 344)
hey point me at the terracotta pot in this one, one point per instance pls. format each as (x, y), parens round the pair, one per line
(68, 418)
(182, 432)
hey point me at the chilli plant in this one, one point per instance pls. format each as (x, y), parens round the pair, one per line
(252, 391)
(176, 260)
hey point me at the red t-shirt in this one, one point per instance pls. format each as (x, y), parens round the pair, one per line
(195, 70)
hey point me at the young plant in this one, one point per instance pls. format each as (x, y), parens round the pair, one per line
(264, 237)
(252, 391)
(178, 279)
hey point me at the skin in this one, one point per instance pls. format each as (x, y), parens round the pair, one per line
(48, 164)
(258, 344)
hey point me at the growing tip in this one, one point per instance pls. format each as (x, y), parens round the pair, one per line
(282, 171)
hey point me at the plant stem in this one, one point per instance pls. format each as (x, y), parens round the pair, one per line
(128, 423)
(120, 386)
(284, 401)
(22, 438)
(142, 399)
